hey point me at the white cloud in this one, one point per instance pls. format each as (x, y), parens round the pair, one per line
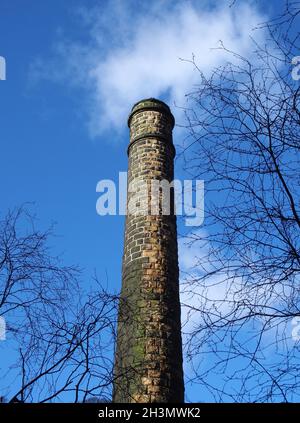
(133, 51)
(205, 294)
(214, 300)
(217, 292)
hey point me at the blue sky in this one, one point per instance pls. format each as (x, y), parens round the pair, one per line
(74, 70)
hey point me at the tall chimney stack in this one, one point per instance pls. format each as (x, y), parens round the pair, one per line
(148, 358)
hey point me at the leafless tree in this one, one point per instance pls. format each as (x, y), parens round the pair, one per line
(60, 337)
(243, 294)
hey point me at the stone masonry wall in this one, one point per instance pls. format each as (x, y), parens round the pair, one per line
(148, 360)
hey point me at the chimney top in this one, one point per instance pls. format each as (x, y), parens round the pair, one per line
(151, 104)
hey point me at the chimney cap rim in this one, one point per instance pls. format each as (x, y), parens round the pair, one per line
(151, 104)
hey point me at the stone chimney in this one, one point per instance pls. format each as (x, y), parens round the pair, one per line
(148, 358)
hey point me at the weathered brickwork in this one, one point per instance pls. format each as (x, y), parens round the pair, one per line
(148, 362)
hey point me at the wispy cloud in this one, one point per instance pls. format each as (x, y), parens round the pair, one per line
(132, 50)
(223, 295)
